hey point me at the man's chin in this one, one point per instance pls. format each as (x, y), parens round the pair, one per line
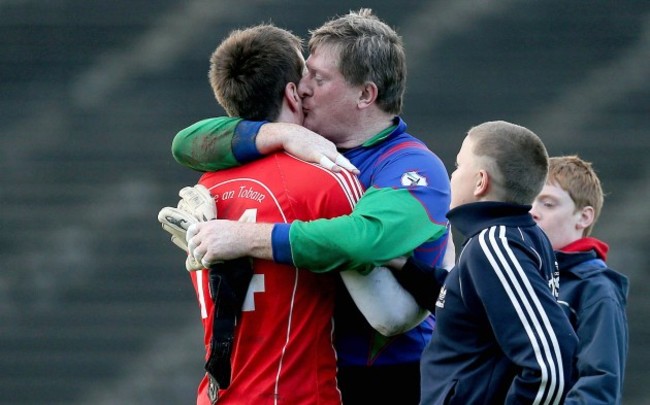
(304, 118)
(308, 123)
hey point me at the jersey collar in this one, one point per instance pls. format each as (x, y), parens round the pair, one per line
(398, 127)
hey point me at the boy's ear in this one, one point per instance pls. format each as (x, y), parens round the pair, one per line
(292, 98)
(482, 184)
(586, 217)
(368, 95)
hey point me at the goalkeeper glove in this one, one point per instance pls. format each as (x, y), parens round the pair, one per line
(176, 221)
(196, 205)
(198, 202)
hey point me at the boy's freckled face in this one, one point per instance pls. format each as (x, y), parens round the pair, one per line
(555, 212)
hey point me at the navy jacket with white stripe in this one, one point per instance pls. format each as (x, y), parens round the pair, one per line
(500, 336)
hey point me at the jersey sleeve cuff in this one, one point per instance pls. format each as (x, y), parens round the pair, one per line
(243, 142)
(281, 244)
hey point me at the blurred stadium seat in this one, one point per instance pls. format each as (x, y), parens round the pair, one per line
(95, 303)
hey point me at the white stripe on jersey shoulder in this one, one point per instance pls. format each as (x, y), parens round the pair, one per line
(529, 310)
(350, 184)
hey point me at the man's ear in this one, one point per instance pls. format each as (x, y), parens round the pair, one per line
(291, 97)
(368, 94)
(482, 184)
(586, 217)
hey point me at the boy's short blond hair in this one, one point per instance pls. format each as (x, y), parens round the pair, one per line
(518, 155)
(578, 178)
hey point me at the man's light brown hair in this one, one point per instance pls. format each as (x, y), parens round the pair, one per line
(578, 178)
(250, 69)
(369, 51)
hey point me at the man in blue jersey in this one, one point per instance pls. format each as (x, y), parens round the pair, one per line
(352, 94)
(500, 337)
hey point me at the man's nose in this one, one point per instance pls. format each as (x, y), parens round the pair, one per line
(303, 88)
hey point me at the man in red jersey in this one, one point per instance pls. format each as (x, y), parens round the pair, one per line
(282, 348)
(282, 351)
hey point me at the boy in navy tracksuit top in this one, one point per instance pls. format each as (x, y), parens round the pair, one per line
(501, 336)
(592, 295)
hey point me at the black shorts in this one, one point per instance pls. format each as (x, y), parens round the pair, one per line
(398, 384)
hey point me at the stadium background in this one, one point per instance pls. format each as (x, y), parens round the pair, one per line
(95, 305)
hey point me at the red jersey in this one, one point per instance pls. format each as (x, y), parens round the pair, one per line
(283, 349)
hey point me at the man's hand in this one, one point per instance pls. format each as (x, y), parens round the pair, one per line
(196, 205)
(218, 240)
(422, 281)
(303, 144)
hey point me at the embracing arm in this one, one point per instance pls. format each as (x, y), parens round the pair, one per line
(375, 232)
(385, 304)
(219, 143)
(207, 145)
(386, 223)
(214, 241)
(401, 213)
(422, 281)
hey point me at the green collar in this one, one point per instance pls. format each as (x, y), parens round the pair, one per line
(380, 136)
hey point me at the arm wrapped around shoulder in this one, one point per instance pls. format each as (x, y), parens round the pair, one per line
(423, 282)
(385, 304)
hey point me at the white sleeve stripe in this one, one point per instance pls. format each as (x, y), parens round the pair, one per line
(548, 328)
(522, 295)
(517, 306)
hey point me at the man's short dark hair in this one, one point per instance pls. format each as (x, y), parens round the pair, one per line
(251, 68)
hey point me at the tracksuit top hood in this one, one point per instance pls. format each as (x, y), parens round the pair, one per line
(585, 258)
(586, 244)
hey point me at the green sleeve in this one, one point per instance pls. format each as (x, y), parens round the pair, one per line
(207, 144)
(386, 223)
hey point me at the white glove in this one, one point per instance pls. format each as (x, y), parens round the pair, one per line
(198, 202)
(196, 205)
